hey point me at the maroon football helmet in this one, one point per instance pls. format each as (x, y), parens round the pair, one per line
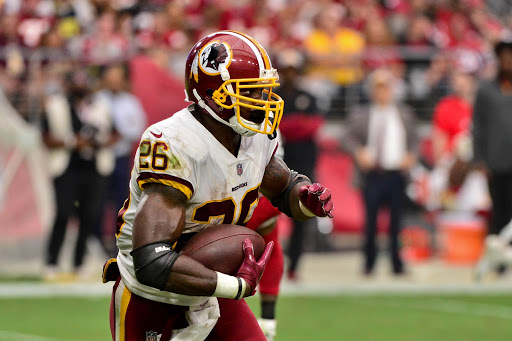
(222, 65)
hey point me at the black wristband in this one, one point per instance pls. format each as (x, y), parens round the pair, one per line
(240, 286)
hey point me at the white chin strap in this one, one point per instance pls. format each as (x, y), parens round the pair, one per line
(233, 121)
(238, 128)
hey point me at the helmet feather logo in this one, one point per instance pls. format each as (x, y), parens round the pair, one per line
(214, 57)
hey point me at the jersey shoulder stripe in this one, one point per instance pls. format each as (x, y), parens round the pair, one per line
(168, 180)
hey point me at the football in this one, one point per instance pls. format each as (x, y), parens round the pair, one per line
(220, 247)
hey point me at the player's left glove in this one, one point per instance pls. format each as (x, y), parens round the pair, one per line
(315, 200)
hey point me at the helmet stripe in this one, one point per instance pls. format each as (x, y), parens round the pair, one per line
(252, 45)
(264, 53)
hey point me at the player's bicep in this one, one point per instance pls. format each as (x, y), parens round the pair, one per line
(161, 215)
(276, 178)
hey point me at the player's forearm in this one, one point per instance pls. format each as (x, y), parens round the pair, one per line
(192, 278)
(189, 277)
(157, 266)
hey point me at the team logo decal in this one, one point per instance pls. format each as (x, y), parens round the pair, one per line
(239, 169)
(214, 57)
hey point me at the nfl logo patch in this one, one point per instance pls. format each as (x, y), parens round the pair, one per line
(151, 336)
(239, 169)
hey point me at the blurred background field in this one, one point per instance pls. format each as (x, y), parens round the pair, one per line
(331, 302)
(301, 317)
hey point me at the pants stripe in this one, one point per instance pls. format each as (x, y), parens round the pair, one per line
(124, 307)
(122, 299)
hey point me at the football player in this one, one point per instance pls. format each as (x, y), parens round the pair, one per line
(265, 221)
(205, 165)
(497, 255)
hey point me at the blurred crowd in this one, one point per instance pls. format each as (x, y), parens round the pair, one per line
(123, 54)
(421, 41)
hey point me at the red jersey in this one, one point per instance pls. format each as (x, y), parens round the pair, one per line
(452, 116)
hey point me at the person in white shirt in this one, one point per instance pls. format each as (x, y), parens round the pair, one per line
(382, 139)
(129, 120)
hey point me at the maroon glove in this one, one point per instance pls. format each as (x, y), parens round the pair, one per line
(250, 270)
(317, 199)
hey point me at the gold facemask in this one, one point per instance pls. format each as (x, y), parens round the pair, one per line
(273, 105)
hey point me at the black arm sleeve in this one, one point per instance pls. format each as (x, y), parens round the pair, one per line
(282, 201)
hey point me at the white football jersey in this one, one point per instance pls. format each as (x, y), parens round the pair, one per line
(221, 188)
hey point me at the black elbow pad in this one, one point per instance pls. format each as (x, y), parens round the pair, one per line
(153, 263)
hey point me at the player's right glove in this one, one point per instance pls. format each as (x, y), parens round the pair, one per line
(251, 270)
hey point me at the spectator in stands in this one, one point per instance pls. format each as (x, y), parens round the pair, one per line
(335, 53)
(78, 132)
(382, 139)
(452, 115)
(53, 47)
(358, 13)
(484, 22)
(419, 31)
(492, 136)
(100, 31)
(299, 125)
(437, 79)
(9, 34)
(381, 52)
(34, 20)
(129, 120)
(16, 91)
(291, 27)
(72, 16)
(380, 46)
(210, 19)
(453, 183)
(106, 43)
(168, 28)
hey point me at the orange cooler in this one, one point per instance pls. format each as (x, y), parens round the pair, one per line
(461, 240)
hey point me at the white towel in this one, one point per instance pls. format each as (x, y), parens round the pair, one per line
(201, 320)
